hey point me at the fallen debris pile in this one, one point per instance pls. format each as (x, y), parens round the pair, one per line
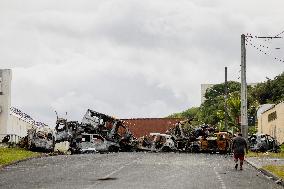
(96, 133)
(99, 132)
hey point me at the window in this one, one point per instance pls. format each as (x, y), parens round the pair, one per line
(272, 116)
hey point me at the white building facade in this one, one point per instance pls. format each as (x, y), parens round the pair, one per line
(12, 121)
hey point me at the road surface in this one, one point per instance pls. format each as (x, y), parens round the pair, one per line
(133, 170)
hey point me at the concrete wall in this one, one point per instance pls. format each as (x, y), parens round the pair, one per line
(18, 126)
(5, 98)
(271, 122)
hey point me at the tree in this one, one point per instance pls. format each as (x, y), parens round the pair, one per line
(271, 91)
(234, 110)
(213, 109)
(191, 114)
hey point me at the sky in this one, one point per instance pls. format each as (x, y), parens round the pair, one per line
(131, 58)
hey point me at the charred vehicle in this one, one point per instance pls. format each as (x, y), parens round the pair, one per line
(40, 139)
(263, 143)
(162, 143)
(92, 143)
(218, 142)
(65, 131)
(185, 141)
(157, 142)
(182, 142)
(112, 129)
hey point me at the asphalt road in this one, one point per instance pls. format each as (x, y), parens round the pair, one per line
(133, 170)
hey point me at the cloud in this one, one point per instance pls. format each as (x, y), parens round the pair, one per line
(129, 58)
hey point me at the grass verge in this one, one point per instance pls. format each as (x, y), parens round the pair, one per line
(277, 170)
(267, 154)
(10, 155)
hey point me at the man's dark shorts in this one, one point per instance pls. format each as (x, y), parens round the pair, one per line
(241, 157)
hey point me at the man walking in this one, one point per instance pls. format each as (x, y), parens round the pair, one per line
(238, 147)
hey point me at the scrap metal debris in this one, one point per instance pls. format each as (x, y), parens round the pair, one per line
(99, 132)
(96, 133)
(40, 138)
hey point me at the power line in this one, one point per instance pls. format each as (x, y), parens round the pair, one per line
(262, 48)
(275, 35)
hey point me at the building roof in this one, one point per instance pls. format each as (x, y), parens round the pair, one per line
(263, 108)
(25, 117)
(272, 106)
(144, 126)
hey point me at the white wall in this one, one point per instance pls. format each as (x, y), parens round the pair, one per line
(18, 126)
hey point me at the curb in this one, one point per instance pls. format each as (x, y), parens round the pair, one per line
(268, 174)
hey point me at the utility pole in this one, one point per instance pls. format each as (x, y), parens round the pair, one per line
(244, 116)
(226, 98)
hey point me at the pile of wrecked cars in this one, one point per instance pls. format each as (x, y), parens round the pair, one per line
(96, 133)
(201, 139)
(101, 133)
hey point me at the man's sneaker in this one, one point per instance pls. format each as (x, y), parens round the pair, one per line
(241, 168)
(236, 166)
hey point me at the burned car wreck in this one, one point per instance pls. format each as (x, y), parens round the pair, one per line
(91, 143)
(263, 143)
(96, 133)
(40, 139)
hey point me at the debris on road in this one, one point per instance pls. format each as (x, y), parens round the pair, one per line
(99, 132)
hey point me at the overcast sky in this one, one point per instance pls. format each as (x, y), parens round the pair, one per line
(130, 58)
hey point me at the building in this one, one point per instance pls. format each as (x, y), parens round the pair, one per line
(5, 99)
(13, 122)
(144, 126)
(271, 122)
